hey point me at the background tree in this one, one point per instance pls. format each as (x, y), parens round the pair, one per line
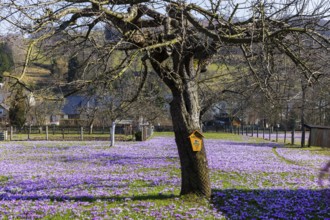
(17, 110)
(40, 112)
(6, 58)
(178, 41)
(73, 68)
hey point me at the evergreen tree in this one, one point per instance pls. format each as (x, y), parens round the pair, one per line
(17, 111)
(73, 69)
(6, 59)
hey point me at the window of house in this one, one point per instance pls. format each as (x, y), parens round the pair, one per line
(53, 118)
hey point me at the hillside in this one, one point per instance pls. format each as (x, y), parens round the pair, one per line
(45, 75)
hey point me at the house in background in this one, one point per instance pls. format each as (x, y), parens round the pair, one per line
(72, 107)
(221, 121)
(79, 110)
(69, 112)
(74, 110)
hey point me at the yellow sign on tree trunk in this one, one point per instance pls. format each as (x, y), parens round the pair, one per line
(196, 140)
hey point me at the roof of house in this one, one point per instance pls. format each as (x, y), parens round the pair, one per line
(73, 104)
(316, 126)
(124, 122)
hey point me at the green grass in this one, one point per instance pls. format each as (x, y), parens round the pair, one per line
(4, 179)
(285, 159)
(65, 216)
(318, 150)
(208, 135)
(223, 136)
(218, 135)
(164, 134)
(229, 180)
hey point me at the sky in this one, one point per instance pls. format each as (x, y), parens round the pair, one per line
(242, 12)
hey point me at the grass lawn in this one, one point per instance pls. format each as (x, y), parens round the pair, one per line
(208, 135)
(141, 180)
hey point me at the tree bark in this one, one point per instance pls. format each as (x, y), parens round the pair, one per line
(302, 113)
(194, 167)
(185, 112)
(112, 134)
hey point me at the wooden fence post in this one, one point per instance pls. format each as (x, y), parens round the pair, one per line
(81, 133)
(257, 132)
(29, 132)
(144, 133)
(46, 132)
(11, 133)
(276, 134)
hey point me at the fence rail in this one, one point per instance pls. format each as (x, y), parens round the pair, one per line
(271, 134)
(122, 133)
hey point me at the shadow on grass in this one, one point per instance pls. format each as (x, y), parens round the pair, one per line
(273, 203)
(114, 159)
(89, 198)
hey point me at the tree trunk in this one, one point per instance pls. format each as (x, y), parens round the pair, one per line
(112, 134)
(185, 111)
(302, 114)
(194, 167)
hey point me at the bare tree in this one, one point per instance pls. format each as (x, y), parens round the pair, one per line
(178, 39)
(115, 100)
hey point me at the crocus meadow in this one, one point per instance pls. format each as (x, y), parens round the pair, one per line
(141, 180)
